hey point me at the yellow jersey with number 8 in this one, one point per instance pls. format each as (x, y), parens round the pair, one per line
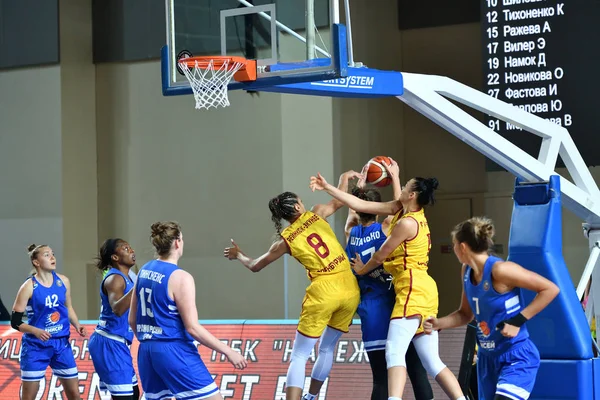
(312, 242)
(413, 253)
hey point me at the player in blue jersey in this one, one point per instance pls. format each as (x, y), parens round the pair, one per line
(109, 344)
(364, 236)
(508, 360)
(46, 297)
(165, 319)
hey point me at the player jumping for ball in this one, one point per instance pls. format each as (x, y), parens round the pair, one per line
(333, 295)
(405, 254)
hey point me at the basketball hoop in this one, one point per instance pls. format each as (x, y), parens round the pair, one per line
(210, 75)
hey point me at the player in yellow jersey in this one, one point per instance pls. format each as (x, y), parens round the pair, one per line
(405, 255)
(333, 295)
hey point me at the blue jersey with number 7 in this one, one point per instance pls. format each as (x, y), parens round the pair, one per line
(157, 316)
(366, 240)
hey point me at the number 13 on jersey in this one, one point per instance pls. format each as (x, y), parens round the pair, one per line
(145, 302)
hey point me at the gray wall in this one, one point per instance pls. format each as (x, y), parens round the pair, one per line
(91, 151)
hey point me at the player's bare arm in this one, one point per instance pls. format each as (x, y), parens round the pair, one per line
(278, 249)
(72, 315)
(513, 275)
(351, 221)
(370, 207)
(326, 210)
(133, 309)
(184, 294)
(404, 229)
(119, 301)
(23, 296)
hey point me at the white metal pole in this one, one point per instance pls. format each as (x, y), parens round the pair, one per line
(349, 33)
(587, 271)
(285, 28)
(334, 6)
(310, 29)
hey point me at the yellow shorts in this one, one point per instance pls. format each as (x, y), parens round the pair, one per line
(330, 300)
(416, 296)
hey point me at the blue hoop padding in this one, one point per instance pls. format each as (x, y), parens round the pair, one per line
(560, 332)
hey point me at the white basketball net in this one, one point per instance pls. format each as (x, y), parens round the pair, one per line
(209, 84)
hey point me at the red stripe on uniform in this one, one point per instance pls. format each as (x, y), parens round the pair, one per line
(405, 254)
(409, 291)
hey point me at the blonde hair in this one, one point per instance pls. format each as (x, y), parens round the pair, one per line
(33, 251)
(477, 233)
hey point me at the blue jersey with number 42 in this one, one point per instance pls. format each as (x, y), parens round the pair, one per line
(47, 310)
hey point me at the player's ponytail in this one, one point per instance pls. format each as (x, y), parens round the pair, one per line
(477, 233)
(283, 207)
(366, 195)
(425, 187)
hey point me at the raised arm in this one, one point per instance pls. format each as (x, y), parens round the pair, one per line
(404, 229)
(460, 317)
(327, 209)
(278, 249)
(394, 173)
(115, 289)
(351, 221)
(371, 207)
(72, 315)
(184, 294)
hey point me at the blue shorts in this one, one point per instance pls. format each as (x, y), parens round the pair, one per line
(375, 311)
(511, 374)
(36, 356)
(173, 369)
(113, 364)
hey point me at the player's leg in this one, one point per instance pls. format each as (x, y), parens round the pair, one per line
(379, 372)
(114, 366)
(35, 358)
(324, 362)
(64, 367)
(418, 375)
(340, 299)
(428, 349)
(518, 371)
(151, 380)
(183, 372)
(375, 312)
(401, 332)
(316, 313)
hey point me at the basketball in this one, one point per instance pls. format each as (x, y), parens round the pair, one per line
(376, 172)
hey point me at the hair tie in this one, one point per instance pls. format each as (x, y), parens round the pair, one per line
(276, 202)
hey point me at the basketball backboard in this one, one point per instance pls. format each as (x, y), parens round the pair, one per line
(292, 40)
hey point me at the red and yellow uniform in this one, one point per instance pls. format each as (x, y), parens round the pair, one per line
(416, 291)
(332, 297)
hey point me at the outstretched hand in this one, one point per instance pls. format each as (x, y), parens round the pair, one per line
(393, 169)
(232, 252)
(317, 182)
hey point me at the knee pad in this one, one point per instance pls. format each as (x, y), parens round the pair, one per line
(302, 347)
(400, 334)
(329, 340)
(427, 347)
